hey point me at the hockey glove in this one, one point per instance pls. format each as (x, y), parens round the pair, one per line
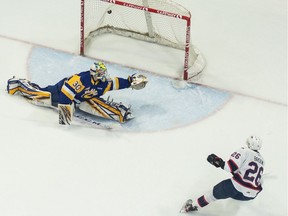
(216, 161)
(138, 81)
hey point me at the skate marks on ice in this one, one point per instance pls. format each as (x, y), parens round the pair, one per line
(157, 107)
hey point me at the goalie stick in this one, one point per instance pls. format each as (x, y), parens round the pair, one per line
(94, 124)
(83, 120)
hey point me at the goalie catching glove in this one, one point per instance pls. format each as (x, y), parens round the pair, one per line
(216, 161)
(138, 81)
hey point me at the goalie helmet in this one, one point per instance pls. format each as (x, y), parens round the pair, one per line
(254, 142)
(99, 71)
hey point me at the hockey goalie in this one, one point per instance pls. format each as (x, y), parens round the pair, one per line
(81, 91)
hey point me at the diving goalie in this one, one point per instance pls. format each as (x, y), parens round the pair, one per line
(81, 91)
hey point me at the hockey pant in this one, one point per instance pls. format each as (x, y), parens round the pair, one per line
(30, 91)
(106, 109)
(223, 190)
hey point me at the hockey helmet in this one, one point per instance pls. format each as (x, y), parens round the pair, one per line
(254, 143)
(99, 71)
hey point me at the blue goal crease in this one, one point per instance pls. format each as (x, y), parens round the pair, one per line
(157, 107)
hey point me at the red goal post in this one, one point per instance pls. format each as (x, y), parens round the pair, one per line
(162, 22)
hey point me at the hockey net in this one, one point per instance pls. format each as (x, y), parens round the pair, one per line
(162, 22)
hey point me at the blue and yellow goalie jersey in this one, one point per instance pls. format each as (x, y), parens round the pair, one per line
(82, 87)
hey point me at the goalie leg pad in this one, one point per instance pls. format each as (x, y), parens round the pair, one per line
(30, 91)
(107, 109)
(65, 112)
(12, 85)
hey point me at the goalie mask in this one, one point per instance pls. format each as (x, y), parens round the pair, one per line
(99, 71)
(254, 143)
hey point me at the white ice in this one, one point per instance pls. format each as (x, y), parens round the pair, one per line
(46, 169)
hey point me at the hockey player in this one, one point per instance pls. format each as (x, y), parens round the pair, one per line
(246, 165)
(83, 91)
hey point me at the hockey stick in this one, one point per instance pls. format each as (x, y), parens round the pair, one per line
(92, 123)
(79, 118)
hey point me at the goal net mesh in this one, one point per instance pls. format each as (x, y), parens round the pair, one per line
(159, 21)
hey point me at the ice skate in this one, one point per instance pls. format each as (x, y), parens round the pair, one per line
(188, 207)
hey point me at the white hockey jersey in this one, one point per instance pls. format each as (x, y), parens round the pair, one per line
(247, 167)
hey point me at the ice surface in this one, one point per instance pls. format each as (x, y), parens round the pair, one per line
(46, 169)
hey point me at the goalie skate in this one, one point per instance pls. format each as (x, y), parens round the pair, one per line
(188, 207)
